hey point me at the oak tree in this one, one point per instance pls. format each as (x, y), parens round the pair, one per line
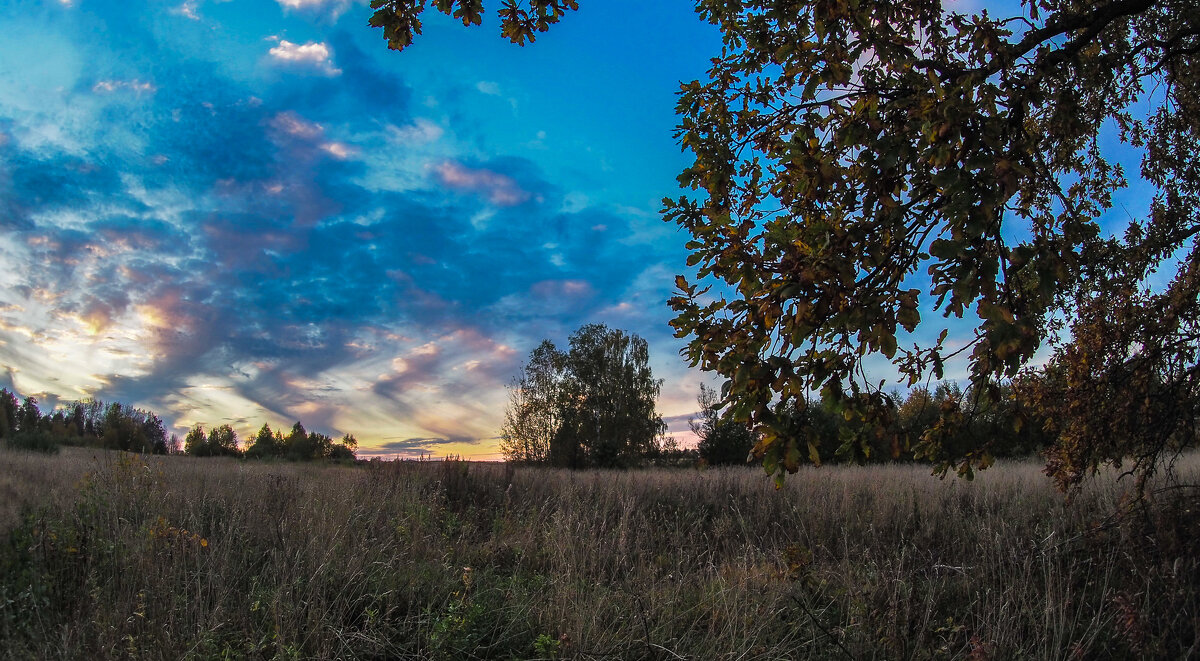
(860, 165)
(520, 22)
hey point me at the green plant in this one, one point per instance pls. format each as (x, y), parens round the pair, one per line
(546, 646)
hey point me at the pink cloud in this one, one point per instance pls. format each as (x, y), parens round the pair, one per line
(562, 289)
(499, 189)
(293, 125)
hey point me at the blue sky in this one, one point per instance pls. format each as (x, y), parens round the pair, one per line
(254, 212)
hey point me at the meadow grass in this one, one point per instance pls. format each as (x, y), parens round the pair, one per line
(108, 555)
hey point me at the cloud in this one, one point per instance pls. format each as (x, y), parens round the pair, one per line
(499, 189)
(335, 7)
(418, 446)
(432, 364)
(109, 86)
(421, 131)
(490, 88)
(338, 150)
(311, 54)
(622, 309)
(187, 10)
(562, 289)
(294, 125)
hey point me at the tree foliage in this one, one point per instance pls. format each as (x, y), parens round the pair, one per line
(826, 435)
(122, 427)
(592, 405)
(22, 427)
(221, 441)
(1127, 387)
(857, 162)
(299, 444)
(519, 21)
(532, 417)
(88, 422)
(8, 413)
(722, 441)
(264, 444)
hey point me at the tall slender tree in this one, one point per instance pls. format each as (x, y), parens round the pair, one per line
(722, 441)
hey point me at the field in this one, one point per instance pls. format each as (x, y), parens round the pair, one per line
(106, 555)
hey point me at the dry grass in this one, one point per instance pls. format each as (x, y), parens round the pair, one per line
(122, 556)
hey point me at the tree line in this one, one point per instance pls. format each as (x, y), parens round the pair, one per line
(1007, 426)
(90, 422)
(298, 445)
(117, 426)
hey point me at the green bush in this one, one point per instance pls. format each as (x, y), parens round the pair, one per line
(35, 441)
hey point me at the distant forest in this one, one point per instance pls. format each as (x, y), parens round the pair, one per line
(1005, 430)
(116, 426)
(1004, 426)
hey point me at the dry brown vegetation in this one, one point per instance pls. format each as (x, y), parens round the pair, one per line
(108, 555)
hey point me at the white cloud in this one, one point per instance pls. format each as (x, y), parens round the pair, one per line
(574, 202)
(488, 87)
(333, 7)
(339, 150)
(187, 10)
(312, 54)
(109, 86)
(491, 88)
(306, 4)
(421, 131)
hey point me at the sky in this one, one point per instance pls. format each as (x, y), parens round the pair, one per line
(253, 211)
